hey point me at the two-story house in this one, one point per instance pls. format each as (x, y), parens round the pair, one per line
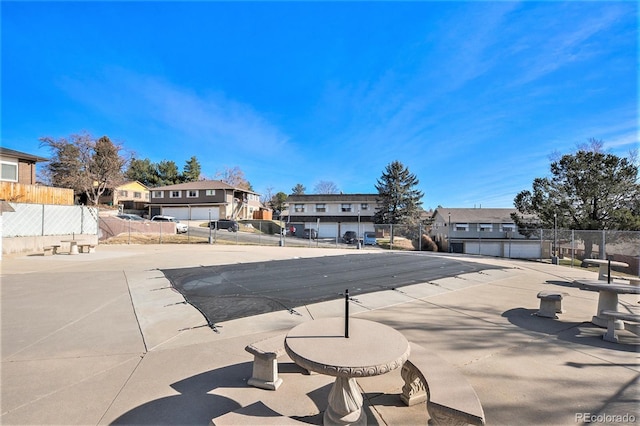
(486, 231)
(331, 214)
(202, 200)
(131, 195)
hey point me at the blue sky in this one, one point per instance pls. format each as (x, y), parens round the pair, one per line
(473, 97)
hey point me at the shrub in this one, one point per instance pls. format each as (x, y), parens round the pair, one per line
(427, 244)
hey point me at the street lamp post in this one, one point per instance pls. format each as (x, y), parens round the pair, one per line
(358, 236)
(210, 238)
(555, 234)
(449, 234)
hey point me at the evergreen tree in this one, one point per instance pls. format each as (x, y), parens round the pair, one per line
(398, 199)
(168, 173)
(144, 171)
(191, 171)
(299, 189)
(278, 203)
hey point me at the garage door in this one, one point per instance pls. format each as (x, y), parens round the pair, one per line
(202, 213)
(522, 250)
(181, 213)
(485, 248)
(328, 230)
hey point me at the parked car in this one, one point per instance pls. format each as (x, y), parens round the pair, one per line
(181, 228)
(311, 233)
(350, 237)
(228, 224)
(370, 239)
(127, 216)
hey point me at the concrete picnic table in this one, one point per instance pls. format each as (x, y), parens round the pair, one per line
(607, 299)
(370, 350)
(603, 264)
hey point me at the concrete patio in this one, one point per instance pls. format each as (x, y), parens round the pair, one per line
(102, 338)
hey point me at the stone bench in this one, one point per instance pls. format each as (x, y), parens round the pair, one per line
(612, 316)
(52, 249)
(265, 362)
(87, 248)
(449, 396)
(550, 303)
(632, 280)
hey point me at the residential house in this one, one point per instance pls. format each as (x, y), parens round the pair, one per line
(331, 214)
(486, 231)
(131, 195)
(18, 181)
(202, 200)
(19, 167)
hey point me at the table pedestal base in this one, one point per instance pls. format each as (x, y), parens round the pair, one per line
(73, 248)
(345, 404)
(607, 301)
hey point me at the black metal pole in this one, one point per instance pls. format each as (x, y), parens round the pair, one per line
(346, 313)
(609, 272)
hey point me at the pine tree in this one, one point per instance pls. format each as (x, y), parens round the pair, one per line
(398, 199)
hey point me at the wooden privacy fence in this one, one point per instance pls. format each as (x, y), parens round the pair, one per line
(35, 194)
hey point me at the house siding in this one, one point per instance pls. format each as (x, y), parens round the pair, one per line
(227, 203)
(333, 220)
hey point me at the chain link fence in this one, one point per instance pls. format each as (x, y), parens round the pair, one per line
(553, 245)
(33, 220)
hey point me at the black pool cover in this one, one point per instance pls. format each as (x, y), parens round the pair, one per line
(227, 292)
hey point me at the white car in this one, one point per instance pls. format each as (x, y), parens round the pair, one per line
(181, 228)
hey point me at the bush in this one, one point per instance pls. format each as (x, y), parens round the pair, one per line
(427, 244)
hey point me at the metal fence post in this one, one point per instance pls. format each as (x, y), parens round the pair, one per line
(573, 246)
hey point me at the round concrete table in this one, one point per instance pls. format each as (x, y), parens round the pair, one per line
(607, 298)
(603, 266)
(370, 350)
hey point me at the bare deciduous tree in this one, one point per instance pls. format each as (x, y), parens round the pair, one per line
(326, 187)
(234, 177)
(86, 165)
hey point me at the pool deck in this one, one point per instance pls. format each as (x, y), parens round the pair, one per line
(102, 338)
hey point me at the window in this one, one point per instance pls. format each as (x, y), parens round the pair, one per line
(346, 207)
(137, 195)
(192, 193)
(321, 208)
(299, 208)
(210, 192)
(158, 194)
(364, 206)
(123, 193)
(485, 227)
(146, 195)
(175, 194)
(462, 226)
(509, 227)
(10, 171)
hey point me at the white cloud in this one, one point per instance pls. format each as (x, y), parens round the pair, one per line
(205, 119)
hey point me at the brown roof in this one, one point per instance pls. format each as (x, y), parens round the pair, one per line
(21, 155)
(332, 197)
(201, 184)
(476, 215)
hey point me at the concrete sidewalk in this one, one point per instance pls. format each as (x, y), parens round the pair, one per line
(102, 338)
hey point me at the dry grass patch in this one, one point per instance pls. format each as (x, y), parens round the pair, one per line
(125, 238)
